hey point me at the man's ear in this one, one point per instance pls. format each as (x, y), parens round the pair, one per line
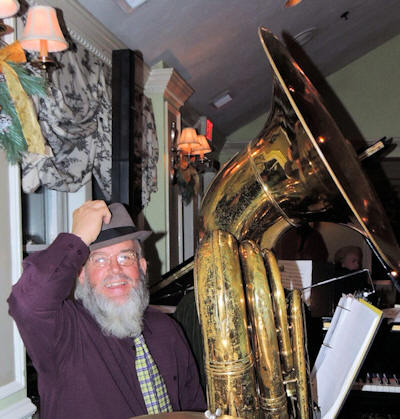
(143, 265)
(81, 276)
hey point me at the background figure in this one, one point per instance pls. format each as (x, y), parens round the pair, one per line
(349, 257)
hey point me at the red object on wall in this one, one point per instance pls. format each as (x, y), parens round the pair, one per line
(209, 128)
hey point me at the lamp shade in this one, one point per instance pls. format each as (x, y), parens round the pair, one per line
(8, 8)
(187, 140)
(202, 147)
(42, 25)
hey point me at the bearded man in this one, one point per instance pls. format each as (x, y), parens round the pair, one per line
(104, 354)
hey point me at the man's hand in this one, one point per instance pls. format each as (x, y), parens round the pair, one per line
(87, 220)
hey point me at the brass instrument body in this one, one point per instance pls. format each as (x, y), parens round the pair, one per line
(265, 342)
(281, 320)
(275, 177)
(228, 358)
(236, 383)
(300, 357)
(299, 168)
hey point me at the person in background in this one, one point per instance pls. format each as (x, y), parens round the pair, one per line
(348, 260)
(349, 257)
(104, 354)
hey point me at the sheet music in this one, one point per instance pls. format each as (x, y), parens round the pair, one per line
(297, 274)
(342, 353)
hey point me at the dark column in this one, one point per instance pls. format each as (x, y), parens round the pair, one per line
(124, 178)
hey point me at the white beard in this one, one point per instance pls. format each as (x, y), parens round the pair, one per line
(119, 320)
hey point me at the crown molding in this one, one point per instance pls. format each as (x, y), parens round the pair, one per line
(22, 409)
(170, 84)
(85, 29)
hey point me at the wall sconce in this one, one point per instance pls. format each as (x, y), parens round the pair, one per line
(188, 146)
(42, 33)
(187, 140)
(183, 149)
(8, 8)
(201, 148)
(186, 166)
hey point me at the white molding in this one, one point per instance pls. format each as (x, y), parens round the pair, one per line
(165, 152)
(158, 80)
(15, 217)
(23, 409)
(15, 214)
(170, 84)
(14, 221)
(56, 213)
(10, 388)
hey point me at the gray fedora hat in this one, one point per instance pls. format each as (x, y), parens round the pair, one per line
(120, 228)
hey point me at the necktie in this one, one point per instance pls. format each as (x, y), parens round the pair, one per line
(153, 388)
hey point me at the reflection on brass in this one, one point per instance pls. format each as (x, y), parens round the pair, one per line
(278, 295)
(265, 342)
(299, 168)
(179, 415)
(228, 357)
(299, 354)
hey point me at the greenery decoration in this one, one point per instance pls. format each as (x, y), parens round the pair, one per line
(18, 120)
(187, 180)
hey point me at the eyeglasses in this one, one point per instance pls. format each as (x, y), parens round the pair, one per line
(125, 258)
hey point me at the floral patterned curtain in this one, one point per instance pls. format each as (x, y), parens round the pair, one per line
(146, 147)
(75, 120)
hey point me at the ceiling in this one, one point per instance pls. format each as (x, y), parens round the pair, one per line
(214, 44)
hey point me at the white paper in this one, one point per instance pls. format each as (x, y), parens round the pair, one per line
(345, 347)
(297, 274)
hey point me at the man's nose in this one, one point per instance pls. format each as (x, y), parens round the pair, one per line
(114, 265)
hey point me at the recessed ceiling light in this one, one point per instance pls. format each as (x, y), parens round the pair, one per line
(305, 36)
(222, 99)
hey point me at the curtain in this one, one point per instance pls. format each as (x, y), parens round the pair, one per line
(75, 120)
(146, 147)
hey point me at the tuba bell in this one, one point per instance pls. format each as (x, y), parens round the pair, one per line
(299, 168)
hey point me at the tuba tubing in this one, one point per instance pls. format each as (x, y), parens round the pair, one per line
(265, 341)
(282, 323)
(298, 169)
(228, 359)
(299, 353)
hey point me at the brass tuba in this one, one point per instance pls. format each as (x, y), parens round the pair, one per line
(299, 168)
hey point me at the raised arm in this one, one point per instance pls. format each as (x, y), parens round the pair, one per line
(49, 276)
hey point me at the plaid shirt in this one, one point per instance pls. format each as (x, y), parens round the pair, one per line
(153, 388)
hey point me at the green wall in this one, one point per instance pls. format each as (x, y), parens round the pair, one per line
(369, 89)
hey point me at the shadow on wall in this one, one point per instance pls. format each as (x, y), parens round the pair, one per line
(335, 107)
(349, 129)
(151, 255)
